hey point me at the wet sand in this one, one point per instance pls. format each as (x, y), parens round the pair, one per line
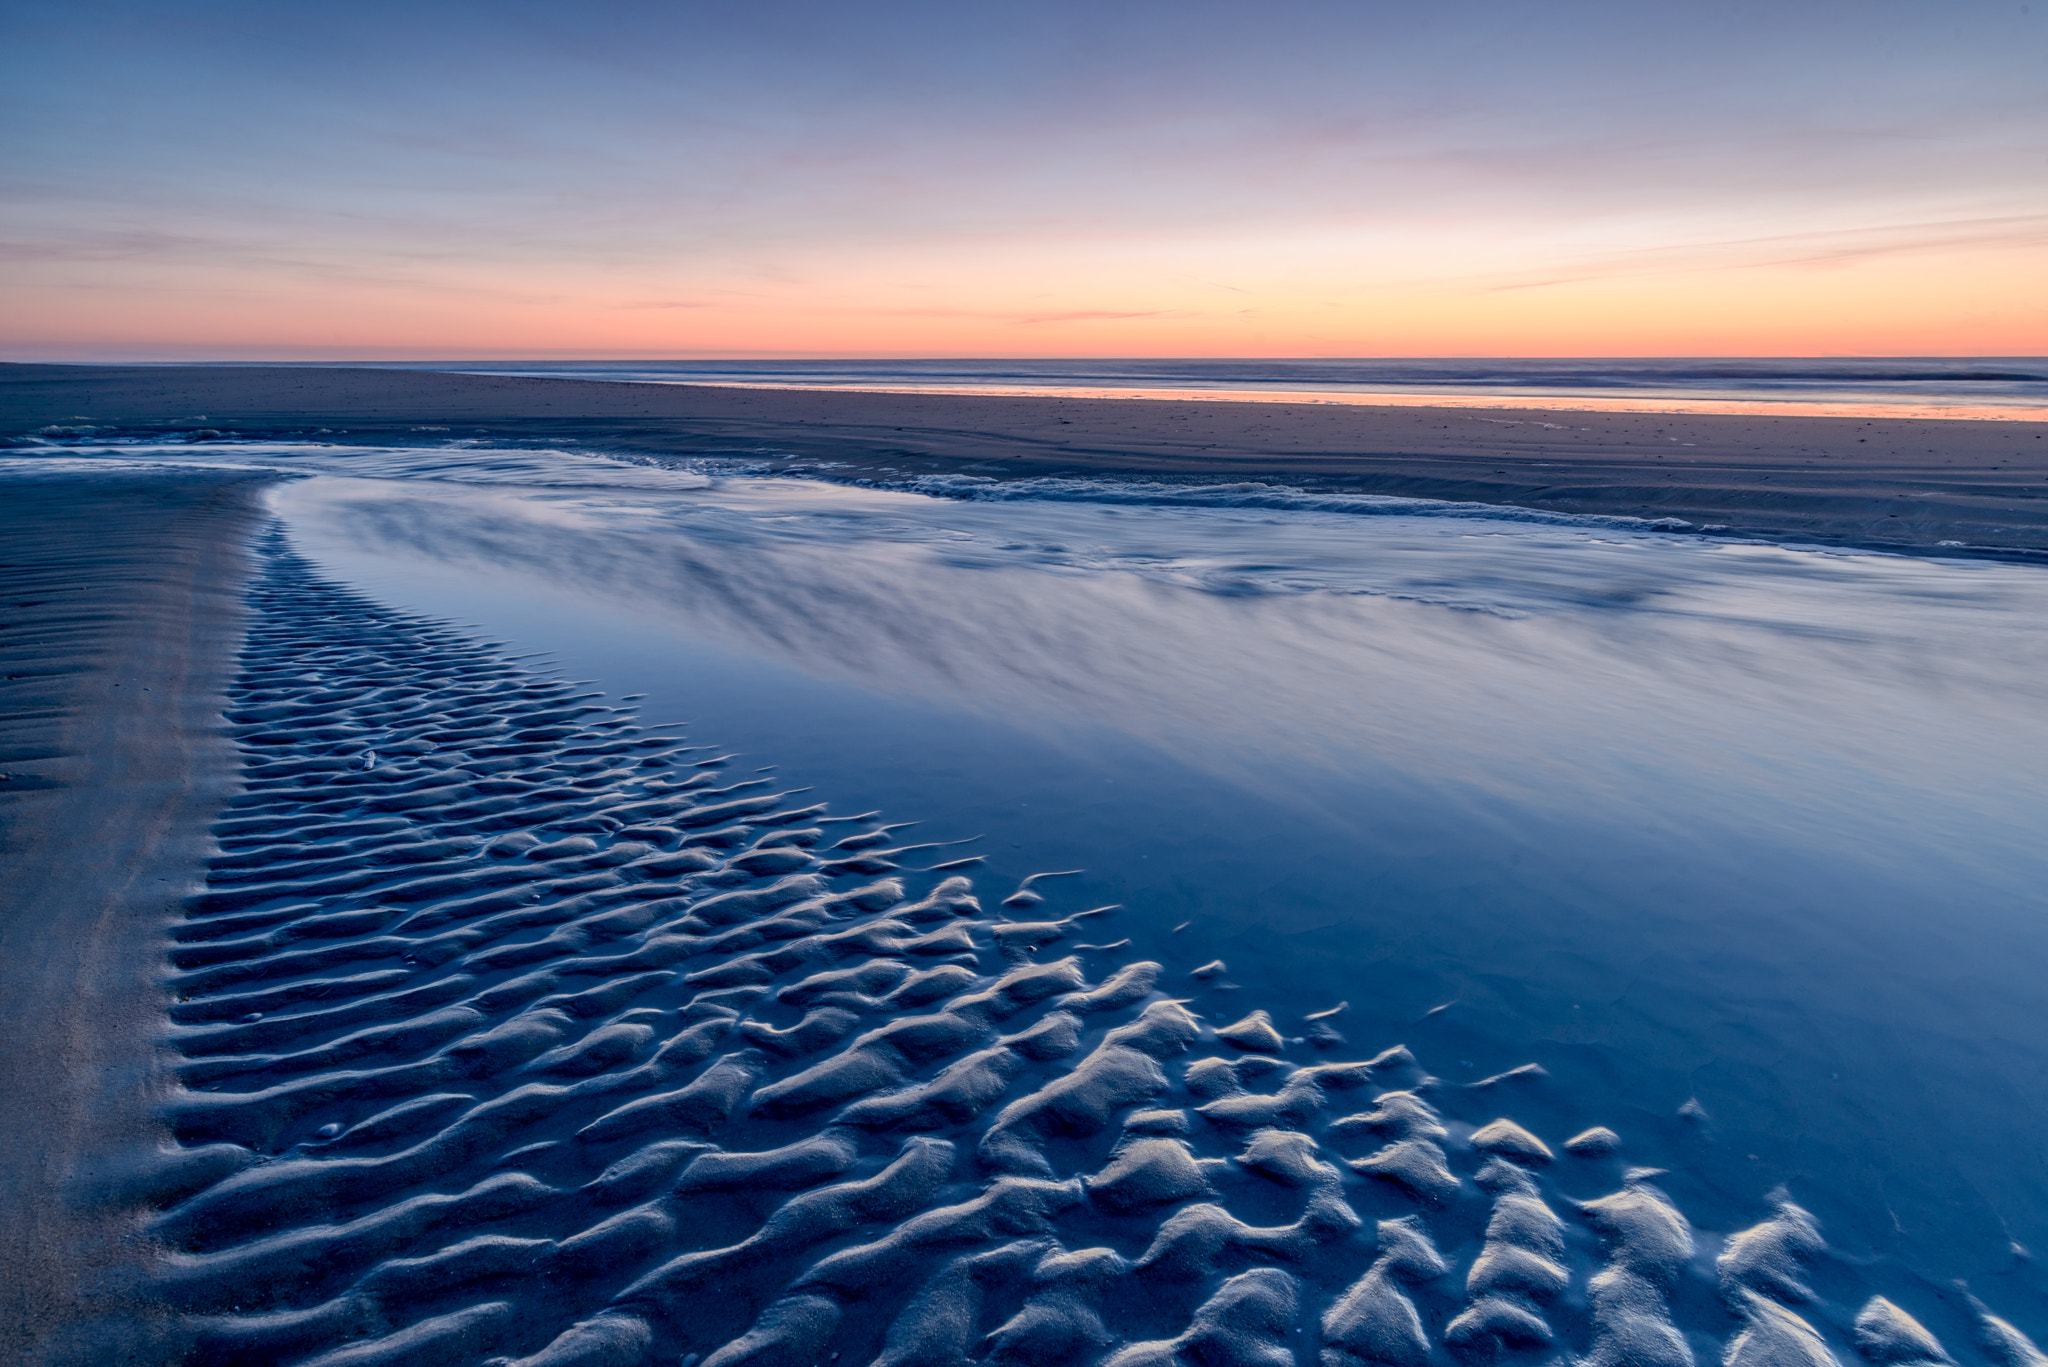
(123, 607)
(1906, 484)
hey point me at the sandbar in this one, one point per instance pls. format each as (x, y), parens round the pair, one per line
(1908, 484)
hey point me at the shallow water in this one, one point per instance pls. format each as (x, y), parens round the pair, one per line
(1740, 844)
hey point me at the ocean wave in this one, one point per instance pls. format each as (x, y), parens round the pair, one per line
(1868, 378)
(1250, 494)
(548, 467)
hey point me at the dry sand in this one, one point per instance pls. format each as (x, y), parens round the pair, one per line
(123, 607)
(1906, 483)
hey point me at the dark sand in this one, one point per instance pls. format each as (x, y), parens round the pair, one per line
(1896, 483)
(123, 607)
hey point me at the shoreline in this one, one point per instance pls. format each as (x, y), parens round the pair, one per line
(1897, 484)
(1675, 405)
(125, 592)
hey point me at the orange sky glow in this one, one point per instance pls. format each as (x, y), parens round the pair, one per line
(1242, 298)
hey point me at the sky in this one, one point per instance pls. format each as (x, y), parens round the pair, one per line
(211, 179)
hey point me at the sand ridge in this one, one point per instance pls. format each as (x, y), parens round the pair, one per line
(1907, 483)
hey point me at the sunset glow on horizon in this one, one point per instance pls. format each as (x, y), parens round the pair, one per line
(1317, 180)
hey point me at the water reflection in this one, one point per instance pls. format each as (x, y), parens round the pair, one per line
(1875, 695)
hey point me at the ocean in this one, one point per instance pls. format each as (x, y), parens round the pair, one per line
(1311, 836)
(1989, 387)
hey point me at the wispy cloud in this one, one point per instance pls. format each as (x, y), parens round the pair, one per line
(1089, 316)
(1816, 250)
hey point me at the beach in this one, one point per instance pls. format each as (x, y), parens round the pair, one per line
(1907, 484)
(124, 614)
(525, 874)
(914, 686)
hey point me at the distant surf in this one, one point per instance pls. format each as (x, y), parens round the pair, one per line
(1991, 387)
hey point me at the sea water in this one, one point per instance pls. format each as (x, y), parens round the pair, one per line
(1741, 845)
(2009, 387)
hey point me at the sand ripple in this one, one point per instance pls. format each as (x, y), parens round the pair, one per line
(512, 1030)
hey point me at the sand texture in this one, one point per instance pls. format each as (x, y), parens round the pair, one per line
(122, 597)
(1900, 483)
(510, 1029)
